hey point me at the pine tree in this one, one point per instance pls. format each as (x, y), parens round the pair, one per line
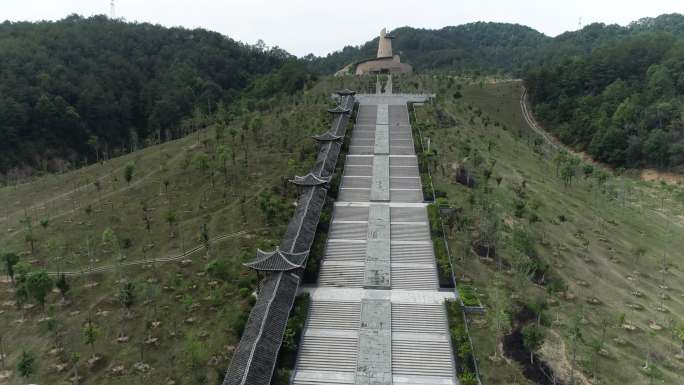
(26, 363)
(63, 285)
(90, 334)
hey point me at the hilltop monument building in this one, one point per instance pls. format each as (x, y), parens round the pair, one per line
(386, 62)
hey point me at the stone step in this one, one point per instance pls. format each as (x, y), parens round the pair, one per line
(401, 135)
(331, 353)
(398, 114)
(418, 253)
(334, 315)
(401, 140)
(343, 251)
(370, 109)
(411, 232)
(322, 381)
(341, 275)
(405, 183)
(423, 380)
(418, 318)
(360, 150)
(360, 170)
(421, 357)
(413, 278)
(408, 196)
(358, 161)
(356, 182)
(349, 213)
(356, 231)
(364, 133)
(408, 214)
(329, 380)
(404, 172)
(397, 161)
(402, 150)
(349, 195)
(365, 127)
(401, 129)
(367, 115)
(362, 140)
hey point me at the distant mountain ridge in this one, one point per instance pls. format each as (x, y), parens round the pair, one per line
(490, 47)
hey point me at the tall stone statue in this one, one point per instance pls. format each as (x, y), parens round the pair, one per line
(386, 62)
(385, 44)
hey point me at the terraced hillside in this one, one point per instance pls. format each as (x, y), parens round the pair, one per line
(586, 258)
(592, 257)
(154, 242)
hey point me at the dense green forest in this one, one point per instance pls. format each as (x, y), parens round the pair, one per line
(615, 92)
(494, 47)
(623, 104)
(81, 88)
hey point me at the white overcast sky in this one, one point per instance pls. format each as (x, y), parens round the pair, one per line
(322, 26)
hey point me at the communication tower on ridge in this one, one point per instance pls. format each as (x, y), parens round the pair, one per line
(112, 10)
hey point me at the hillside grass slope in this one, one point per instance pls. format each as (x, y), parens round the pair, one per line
(597, 257)
(219, 192)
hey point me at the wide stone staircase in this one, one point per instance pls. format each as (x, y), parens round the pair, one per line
(377, 315)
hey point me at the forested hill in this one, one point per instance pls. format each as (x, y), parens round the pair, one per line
(489, 47)
(615, 92)
(494, 47)
(74, 88)
(623, 104)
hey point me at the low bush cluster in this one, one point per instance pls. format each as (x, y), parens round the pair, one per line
(465, 366)
(468, 295)
(439, 247)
